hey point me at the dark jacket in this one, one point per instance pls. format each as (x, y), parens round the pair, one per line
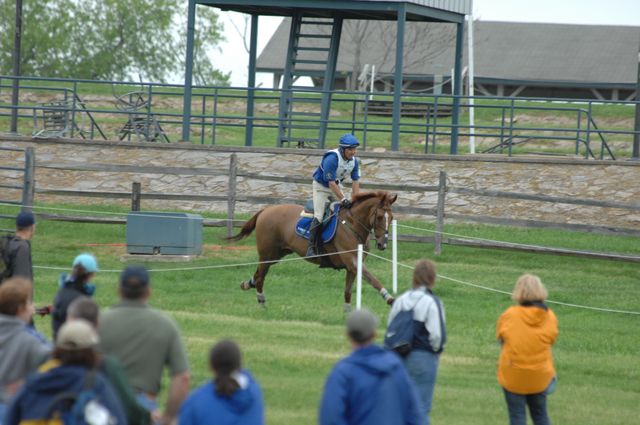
(205, 407)
(19, 256)
(34, 400)
(69, 291)
(370, 387)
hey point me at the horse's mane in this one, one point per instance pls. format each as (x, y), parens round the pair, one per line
(363, 196)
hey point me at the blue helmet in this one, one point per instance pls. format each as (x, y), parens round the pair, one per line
(349, 141)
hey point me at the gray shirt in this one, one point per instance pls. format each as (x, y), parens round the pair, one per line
(21, 351)
(144, 340)
(20, 258)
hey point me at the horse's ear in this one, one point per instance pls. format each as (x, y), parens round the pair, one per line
(392, 198)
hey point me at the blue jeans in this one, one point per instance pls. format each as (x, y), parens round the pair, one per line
(3, 411)
(516, 403)
(422, 366)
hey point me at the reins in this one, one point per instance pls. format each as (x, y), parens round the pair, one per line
(368, 229)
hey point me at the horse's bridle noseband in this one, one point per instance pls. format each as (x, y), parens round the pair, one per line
(372, 217)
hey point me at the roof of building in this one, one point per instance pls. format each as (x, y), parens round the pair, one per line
(416, 10)
(505, 51)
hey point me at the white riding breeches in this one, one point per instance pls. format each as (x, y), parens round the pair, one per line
(321, 197)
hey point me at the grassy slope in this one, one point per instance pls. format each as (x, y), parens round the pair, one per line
(231, 104)
(292, 344)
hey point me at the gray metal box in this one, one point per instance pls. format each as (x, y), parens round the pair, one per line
(164, 233)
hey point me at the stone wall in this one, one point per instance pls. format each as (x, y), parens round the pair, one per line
(597, 180)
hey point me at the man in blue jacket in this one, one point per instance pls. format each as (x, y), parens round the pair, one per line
(371, 385)
(336, 166)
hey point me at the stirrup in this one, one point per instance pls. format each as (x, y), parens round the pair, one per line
(311, 251)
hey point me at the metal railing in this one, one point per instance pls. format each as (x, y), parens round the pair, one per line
(590, 128)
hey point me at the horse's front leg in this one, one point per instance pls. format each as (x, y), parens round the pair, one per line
(376, 284)
(348, 285)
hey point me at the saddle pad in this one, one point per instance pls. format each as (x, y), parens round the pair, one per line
(328, 233)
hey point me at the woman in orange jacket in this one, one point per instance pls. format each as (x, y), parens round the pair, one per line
(525, 369)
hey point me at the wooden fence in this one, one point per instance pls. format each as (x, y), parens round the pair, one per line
(232, 197)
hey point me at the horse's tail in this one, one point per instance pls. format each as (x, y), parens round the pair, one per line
(247, 228)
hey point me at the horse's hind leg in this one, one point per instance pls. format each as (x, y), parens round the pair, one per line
(348, 285)
(258, 280)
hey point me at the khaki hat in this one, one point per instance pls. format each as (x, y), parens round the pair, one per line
(77, 334)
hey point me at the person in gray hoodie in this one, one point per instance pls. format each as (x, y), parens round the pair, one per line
(22, 350)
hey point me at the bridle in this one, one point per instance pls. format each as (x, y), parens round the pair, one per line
(371, 227)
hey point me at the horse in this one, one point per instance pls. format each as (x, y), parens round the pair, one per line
(276, 237)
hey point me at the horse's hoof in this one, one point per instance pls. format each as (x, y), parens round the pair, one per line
(261, 300)
(347, 308)
(246, 285)
(390, 300)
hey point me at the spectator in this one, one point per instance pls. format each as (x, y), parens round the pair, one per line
(18, 250)
(429, 332)
(144, 341)
(61, 381)
(370, 386)
(232, 398)
(72, 286)
(85, 308)
(527, 332)
(21, 352)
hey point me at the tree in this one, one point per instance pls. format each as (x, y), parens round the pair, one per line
(110, 39)
(423, 42)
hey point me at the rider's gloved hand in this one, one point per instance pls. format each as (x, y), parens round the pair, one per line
(345, 203)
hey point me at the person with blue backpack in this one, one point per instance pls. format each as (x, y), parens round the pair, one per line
(68, 389)
(336, 166)
(416, 331)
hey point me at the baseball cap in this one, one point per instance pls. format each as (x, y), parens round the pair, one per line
(25, 219)
(87, 262)
(77, 334)
(134, 276)
(361, 325)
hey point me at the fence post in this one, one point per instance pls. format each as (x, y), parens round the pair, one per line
(231, 200)
(135, 196)
(442, 190)
(29, 183)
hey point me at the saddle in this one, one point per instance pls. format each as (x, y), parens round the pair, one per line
(329, 221)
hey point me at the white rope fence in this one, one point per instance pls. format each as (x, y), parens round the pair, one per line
(499, 291)
(219, 266)
(394, 260)
(564, 250)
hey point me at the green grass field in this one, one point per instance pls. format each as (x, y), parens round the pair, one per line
(292, 344)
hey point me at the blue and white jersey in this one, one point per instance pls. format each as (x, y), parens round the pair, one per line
(335, 168)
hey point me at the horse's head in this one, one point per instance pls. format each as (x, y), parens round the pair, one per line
(382, 217)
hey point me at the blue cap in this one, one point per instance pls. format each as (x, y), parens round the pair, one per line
(349, 141)
(133, 276)
(25, 219)
(87, 262)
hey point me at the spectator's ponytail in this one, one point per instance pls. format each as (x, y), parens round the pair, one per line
(224, 360)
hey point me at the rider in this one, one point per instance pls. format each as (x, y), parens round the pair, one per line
(336, 165)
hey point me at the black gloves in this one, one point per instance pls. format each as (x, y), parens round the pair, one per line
(345, 203)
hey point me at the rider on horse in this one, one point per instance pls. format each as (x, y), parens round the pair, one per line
(337, 165)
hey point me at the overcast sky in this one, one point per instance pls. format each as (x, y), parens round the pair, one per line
(234, 58)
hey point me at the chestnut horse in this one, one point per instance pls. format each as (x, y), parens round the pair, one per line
(276, 237)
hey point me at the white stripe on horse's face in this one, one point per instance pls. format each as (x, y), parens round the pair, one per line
(386, 222)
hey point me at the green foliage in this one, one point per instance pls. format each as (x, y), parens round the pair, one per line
(110, 39)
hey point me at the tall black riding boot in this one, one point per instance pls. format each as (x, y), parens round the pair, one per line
(314, 235)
